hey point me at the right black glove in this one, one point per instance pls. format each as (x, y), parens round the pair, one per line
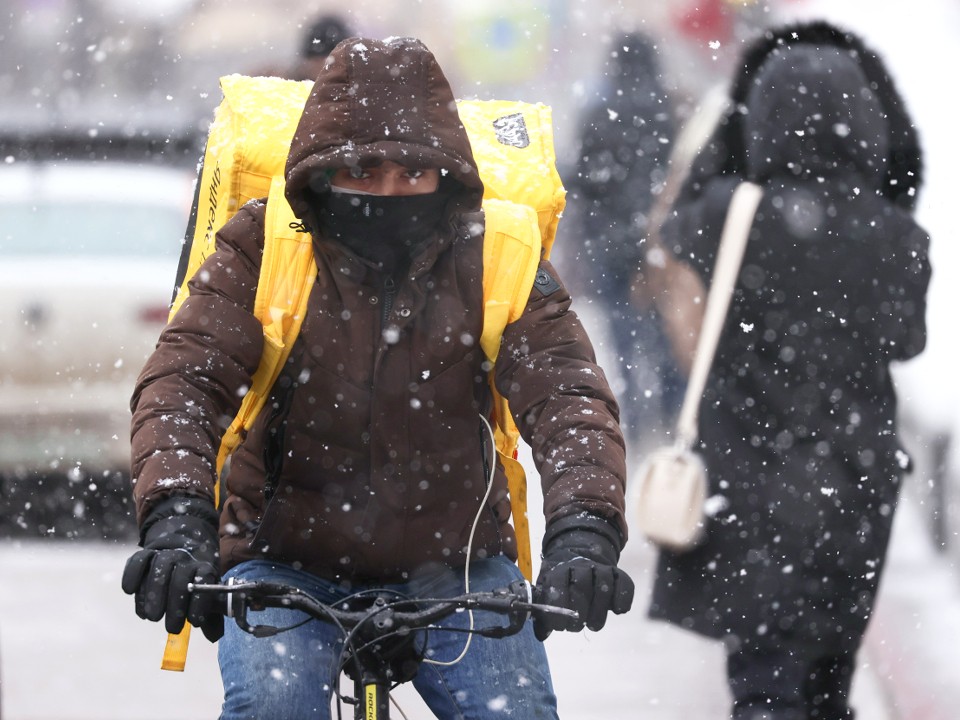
(579, 572)
(181, 545)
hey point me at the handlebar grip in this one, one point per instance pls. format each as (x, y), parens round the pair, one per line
(175, 652)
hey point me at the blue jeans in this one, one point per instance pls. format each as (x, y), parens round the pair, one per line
(289, 675)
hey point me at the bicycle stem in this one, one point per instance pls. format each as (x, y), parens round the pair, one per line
(373, 698)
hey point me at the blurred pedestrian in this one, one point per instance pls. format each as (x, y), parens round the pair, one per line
(317, 42)
(373, 468)
(323, 35)
(798, 422)
(625, 143)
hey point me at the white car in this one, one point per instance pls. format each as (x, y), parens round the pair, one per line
(88, 259)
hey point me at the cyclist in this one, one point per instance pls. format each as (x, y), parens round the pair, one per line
(368, 469)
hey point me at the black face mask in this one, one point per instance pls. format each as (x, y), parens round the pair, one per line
(384, 229)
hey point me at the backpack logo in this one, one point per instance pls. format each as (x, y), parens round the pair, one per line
(512, 130)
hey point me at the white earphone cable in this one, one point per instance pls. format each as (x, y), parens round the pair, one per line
(473, 530)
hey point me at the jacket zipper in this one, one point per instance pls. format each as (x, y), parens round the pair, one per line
(274, 440)
(389, 295)
(273, 460)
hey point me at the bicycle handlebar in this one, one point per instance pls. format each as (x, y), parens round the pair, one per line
(379, 627)
(514, 601)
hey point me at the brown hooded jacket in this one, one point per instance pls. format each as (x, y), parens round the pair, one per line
(371, 458)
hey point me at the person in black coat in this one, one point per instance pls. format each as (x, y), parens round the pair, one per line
(625, 141)
(798, 421)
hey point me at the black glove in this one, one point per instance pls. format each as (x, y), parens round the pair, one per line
(579, 572)
(181, 545)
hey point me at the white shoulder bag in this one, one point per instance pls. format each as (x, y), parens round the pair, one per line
(673, 479)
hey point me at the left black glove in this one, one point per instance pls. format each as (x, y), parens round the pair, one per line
(181, 545)
(579, 572)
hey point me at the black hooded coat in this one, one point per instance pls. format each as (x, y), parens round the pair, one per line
(625, 145)
(798, 421)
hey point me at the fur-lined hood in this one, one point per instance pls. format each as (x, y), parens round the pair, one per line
(727, 153)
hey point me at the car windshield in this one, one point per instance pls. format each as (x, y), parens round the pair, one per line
(89, 229)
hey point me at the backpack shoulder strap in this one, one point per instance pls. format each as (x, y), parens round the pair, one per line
(287, 272)
(511, 256)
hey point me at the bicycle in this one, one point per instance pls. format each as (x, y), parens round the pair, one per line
(380, 629)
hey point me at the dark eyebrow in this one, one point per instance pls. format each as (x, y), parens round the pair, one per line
(377, 162)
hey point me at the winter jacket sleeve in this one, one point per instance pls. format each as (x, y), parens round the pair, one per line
(192, 385)
(563, 406)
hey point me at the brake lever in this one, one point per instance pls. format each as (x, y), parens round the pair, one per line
(518, 599)
(236, 603)
(522, 587)
(553, 610)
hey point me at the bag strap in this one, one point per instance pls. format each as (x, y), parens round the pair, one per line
(511, 256)
(733, 242)
(287, 273)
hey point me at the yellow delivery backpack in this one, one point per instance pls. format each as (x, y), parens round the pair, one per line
(245, 158)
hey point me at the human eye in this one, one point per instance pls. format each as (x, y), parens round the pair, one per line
(414, 173)
(359, 173)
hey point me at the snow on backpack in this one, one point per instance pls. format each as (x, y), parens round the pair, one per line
(244, 159)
